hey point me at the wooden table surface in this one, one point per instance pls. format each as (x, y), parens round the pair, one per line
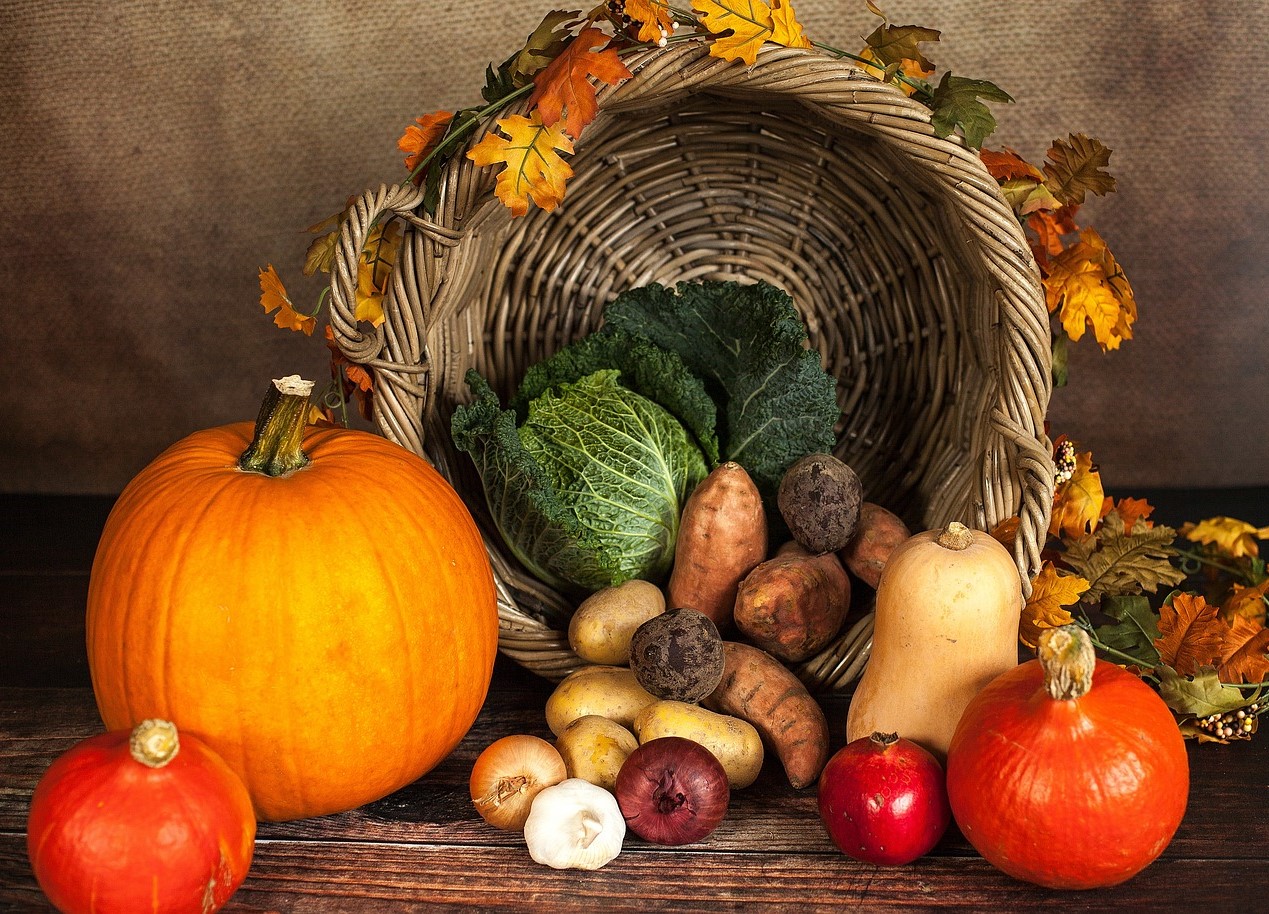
(425, 848)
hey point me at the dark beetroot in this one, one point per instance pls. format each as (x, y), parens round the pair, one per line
(883, 800)
(672, 791)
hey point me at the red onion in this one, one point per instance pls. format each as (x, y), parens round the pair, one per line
(672, 791)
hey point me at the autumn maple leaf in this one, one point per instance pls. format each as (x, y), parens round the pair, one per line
(1077, 503)
(1245, 654)
(1050, 227)
(421, 139)
(533, 169)
(741, 27)
(1006, 164)
(563, 88)
(1234, 537)
(1191, 633)
(1050, 592)
(1075, 167)
(654, 19)
(1130, 510)
(1246, 601)
(1086, 287)
(892, 49)
(273, 297)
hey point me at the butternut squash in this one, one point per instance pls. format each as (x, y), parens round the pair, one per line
(947, 612)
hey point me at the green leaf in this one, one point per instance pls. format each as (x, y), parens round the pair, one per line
(1061, 371)
(541, 47)
(956, 104)
(656, 373)
(1200, 695)
(1135, 629)
(1116, 563)
(749, 345)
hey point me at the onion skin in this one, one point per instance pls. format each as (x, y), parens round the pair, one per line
(508, 774)
(672, 791)
(883, 800)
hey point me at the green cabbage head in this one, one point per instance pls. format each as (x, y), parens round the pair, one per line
(587, 492)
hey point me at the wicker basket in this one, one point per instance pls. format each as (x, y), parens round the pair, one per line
(910, 270)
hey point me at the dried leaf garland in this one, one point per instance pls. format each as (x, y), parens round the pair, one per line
(533, 170)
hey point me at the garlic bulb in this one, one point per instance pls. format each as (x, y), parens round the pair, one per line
(574, 825)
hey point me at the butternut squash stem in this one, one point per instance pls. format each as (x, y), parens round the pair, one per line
(154, 743)
(1067, 657)
(956, 537)
(277, 448)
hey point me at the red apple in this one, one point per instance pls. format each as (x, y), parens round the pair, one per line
(883, 799)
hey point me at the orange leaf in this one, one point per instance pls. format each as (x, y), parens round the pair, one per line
(273, 297)
(1246, 601)
(1006, 165)
(1049, 228)
(1245, 656)
(1232, 536)
(1087, 287)
(563, 88)
(1191, 634)
(418, 142)
(1050, 592)
(533, 170)
(1130, 510)
(1077, 503)
(740, 27)
(1006, 531)
(654, 19)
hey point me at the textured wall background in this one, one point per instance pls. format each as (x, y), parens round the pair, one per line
(156, 154)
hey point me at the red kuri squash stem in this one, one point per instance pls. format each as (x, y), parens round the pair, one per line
(1067, 656)
(154, 743)
(277, 447)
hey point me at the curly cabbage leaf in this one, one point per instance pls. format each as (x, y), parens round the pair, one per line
(587, 492)
(748, 344)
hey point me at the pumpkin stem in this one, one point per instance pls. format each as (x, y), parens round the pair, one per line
(1067, 656)
(277, 448)
(154, 743)
(956, 537)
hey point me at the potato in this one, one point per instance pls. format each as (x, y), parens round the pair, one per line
(600, 629)
(876, 536)
(819, 499)
(594, 748)
(722, 535)
(678, 655)
(794, 604)
(734, 742)
(608, 691)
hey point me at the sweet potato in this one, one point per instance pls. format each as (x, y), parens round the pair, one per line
(759, 689)
(722, 536)
(794, 604)
(876, 536)
(819, 499)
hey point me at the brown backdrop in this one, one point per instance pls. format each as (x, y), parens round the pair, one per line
(156, 154)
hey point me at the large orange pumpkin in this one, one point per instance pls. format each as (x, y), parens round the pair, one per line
(324, 618)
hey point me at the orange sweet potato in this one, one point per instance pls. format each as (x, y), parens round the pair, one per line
(794, 604)
(722, 536)
(876, 536)
(759, 689)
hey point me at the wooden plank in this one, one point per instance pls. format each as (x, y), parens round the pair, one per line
(305, 876)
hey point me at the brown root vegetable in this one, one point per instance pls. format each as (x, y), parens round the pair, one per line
(819, 499)
(759, 689)
(678, 655)
(794, 604)
(722, 536)
(876, 536)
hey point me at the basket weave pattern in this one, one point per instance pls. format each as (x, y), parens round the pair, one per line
(910, 270)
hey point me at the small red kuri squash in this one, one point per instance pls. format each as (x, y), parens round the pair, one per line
(1068, 771)
(140, 821)
(316, 603)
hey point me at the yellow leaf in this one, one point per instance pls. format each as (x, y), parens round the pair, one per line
(1050, 592)
(1248, 602)
(1077, 503)
(534, 170)
(273, 297)
(1234, 537)
(369, 298)
(1027, 196)
(787, 30)
(321, 253)
(740, 27)
(1085, 284)
(654, 19)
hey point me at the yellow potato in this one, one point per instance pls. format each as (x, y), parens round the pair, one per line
(601, 627)
(734, 742)
(594, 749)
(608, 691)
